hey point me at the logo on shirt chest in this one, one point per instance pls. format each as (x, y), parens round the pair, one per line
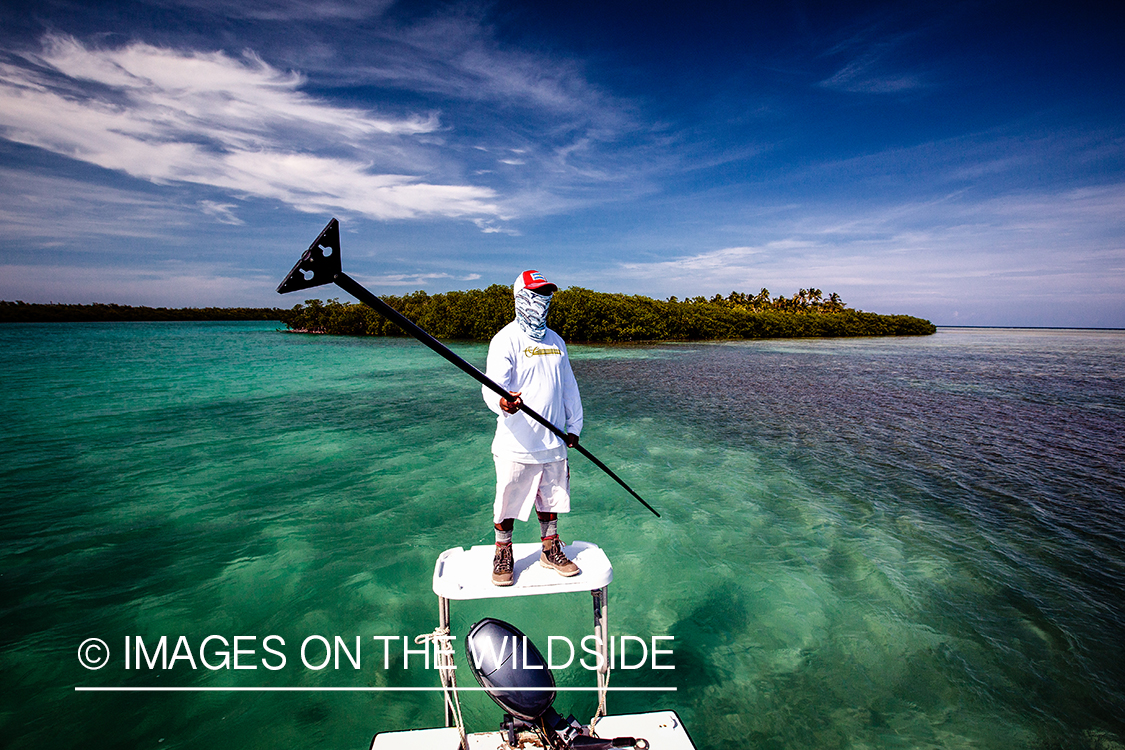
(541, 351)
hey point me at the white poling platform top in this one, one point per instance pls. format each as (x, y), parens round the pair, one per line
(467, 574)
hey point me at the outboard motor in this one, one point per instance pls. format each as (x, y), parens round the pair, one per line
(513, 672)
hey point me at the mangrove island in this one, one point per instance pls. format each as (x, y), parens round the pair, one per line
(585, 316)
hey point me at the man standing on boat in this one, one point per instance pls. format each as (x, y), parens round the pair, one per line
(530, 361)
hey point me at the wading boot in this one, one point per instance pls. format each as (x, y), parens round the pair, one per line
(554, 557)
(502, 565)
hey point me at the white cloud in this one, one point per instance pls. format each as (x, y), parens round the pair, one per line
(416, 280)
(1012, 252)
(221, 211)
(519, 108)
(206, 118)
(456, 54)
(488, 226)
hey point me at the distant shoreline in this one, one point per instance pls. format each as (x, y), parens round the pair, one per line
(33, 312)
(1034, 328)
(29, 312)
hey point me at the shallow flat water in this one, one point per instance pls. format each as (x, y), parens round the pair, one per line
(865, 542)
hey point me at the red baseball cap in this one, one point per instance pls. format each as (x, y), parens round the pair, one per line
(534, 280)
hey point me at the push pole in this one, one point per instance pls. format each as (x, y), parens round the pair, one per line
(321, 265)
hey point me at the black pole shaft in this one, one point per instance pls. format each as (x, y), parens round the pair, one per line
(354, 288)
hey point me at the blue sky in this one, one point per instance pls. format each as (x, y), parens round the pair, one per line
(964, 162)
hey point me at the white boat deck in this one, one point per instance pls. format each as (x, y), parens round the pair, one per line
(467, 574)
(662, 729)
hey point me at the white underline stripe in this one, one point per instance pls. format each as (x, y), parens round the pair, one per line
(81, 689)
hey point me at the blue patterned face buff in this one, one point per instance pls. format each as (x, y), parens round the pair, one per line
(531, 313)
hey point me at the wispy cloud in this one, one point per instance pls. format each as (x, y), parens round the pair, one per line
(926, 256)
(457, 55)
(288, 10)
(868, 75)
(491, 227)
(531, 123)
(873, 63)
(415, 280)
(222, 212)
(40, 210)
(234, 123)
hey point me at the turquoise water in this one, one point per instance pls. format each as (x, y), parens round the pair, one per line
(865, 543)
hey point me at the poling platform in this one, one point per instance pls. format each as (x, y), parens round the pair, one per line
(462, 574)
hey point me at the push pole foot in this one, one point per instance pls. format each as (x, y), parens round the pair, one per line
(319, 265)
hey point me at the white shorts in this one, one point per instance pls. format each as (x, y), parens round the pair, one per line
(519, 486)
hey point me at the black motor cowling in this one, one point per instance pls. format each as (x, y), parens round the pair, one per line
(513, 672)
(506, 664)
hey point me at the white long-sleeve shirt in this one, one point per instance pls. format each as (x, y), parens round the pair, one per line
(540, 371)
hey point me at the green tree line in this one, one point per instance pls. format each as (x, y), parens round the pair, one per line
(25, 312)
(582, 315)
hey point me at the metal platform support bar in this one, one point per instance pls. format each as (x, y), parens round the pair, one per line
(601, 629)
(443, 623)
(601, 635)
